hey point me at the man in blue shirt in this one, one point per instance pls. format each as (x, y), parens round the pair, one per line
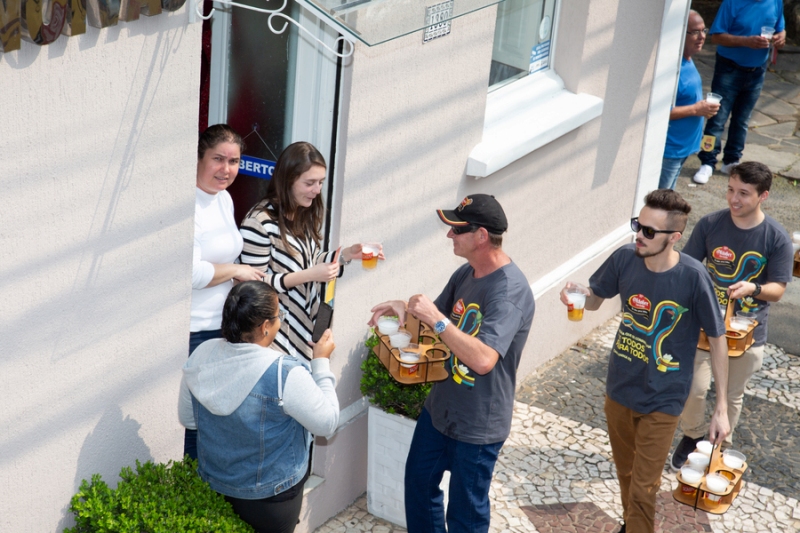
(741, 63)
(686, 118)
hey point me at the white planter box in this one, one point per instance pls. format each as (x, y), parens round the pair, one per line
(389, 438)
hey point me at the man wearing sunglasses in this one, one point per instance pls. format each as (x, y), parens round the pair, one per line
(748, 255)
(686, 117)
(666, 298)
(483, 315)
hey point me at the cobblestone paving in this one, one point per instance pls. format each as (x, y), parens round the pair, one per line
(555, 471)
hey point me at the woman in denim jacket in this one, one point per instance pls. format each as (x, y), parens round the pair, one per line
(256, 409)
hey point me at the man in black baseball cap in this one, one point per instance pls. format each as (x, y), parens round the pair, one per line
(480, 210)
(483, 315)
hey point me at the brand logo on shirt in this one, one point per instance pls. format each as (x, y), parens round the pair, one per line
(458, 308)
(723, 253)
(640, 305)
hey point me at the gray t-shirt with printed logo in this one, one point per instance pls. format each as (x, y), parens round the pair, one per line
(762, 254)
(651, 363)
(498, 310)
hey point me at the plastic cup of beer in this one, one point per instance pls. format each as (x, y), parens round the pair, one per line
(369, 255)
(577, 300)
(746, 316)
(713, 98)
(767, 32)
(409, 365)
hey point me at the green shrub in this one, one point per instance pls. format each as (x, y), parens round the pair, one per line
(157, 498)
(384, 392)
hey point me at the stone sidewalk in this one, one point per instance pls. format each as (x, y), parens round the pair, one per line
(555, 472)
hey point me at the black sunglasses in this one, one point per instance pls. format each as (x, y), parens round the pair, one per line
(460, 230)
(647, 231)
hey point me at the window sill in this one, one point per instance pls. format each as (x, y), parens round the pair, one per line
(526, 115)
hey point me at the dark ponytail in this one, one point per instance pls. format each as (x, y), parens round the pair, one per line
(248, 305)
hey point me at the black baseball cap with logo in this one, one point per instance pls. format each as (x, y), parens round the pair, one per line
(479, 210)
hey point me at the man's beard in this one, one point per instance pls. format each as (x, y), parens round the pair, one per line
(641, 253)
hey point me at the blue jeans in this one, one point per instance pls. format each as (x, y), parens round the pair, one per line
(740, 90)
(470, 466)
(196, 338)
(670, 168)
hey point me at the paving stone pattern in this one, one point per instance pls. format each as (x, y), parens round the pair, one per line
(555, 471)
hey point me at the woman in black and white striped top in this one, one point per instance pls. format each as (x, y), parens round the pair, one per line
(282, 235)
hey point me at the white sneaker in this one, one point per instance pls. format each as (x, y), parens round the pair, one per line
(726, 169)
(702, 175)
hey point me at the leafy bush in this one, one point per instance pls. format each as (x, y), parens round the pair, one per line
(384, 392)
(158, 498)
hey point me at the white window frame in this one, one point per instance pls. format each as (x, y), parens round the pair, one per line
(528, 114)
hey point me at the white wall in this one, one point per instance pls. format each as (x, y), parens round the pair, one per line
(98, 138)
(411, 115)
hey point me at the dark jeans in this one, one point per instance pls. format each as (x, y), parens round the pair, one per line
(268, 515)
(740, 90)
(196, 339)
(470, 466)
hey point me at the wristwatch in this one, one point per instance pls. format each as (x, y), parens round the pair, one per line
(440, 326)
(757, 291)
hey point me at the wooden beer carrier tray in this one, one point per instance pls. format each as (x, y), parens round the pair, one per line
(728, 495)
(433, 354)
(738, 341)
(796, 271)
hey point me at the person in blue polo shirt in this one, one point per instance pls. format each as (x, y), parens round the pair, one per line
(686, 117)
(741, 63)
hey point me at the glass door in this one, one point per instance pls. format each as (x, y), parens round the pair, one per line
(274, 89)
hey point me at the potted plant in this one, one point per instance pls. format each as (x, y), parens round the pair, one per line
(157, 498)
(391, 420)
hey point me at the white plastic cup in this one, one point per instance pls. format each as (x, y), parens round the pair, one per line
(705, 447)
(577, 301)
(733, 459)
(717, 483)
(388, 326)
(369, 255)
(690, 475)
(713, 98)
(767, 32)
(740, 324)
(409, 365)
(400, 340)
(698, 461)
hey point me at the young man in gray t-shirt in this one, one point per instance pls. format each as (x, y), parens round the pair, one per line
(749, 258)
(667, 297)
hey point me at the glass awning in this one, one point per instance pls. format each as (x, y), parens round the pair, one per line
(377, 21)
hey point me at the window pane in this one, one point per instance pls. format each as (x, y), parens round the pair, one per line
(521, 39)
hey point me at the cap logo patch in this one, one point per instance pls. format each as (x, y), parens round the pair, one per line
(464, 203)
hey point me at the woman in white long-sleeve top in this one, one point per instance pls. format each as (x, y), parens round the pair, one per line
(255, 410)
(217, 242)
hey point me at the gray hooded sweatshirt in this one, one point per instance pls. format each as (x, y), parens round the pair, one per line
(221, 375)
